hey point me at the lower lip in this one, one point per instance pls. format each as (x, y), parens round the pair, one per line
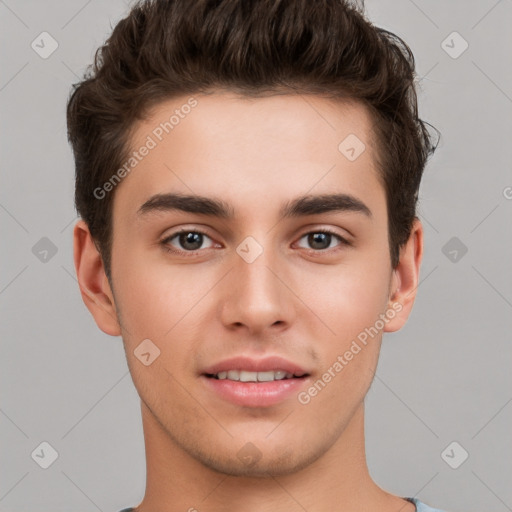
(255, 394)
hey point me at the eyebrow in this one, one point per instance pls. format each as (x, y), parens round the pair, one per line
(298, 207)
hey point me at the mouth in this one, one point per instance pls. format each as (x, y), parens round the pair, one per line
(247, 382)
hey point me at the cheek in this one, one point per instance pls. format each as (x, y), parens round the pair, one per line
(349, 303)
(159, 301)
(349, 350)
(349, 299)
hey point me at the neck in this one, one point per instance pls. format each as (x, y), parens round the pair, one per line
(338, 480)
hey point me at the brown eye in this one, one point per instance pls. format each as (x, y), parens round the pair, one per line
(321, 240)
(186, 241)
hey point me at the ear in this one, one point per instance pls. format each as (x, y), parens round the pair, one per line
(405, 278)
(93, 282)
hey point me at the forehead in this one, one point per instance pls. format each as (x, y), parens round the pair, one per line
(250, 150)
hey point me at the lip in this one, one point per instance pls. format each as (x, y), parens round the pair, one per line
(255, 365)
(256, 394)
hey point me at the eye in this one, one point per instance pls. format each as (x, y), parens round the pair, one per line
(191, 241)
(321, 240)
(187, 240)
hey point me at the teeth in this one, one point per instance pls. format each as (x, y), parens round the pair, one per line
(248, 376)
(266, 376)
(245, 376)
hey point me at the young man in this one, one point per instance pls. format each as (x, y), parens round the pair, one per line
(247, 174)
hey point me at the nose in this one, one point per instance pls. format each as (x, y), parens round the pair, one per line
(257, 296)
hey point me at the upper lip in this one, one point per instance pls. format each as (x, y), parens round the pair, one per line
(266, 364)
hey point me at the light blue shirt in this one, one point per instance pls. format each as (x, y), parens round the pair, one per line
(420, 507)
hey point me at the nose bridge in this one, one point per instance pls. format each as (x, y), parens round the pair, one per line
(256, 296)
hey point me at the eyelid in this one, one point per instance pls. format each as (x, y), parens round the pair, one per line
(333, 229)
(184, 229)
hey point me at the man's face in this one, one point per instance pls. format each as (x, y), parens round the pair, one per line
(256, 284)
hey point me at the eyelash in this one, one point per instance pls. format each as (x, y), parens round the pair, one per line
(165, 242)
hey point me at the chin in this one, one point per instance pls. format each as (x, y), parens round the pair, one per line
(285, 464)
(254, 460)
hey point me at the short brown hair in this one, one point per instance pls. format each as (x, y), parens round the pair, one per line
(168, 48)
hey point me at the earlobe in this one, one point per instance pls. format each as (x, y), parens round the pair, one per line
(405, 279)
(93, 282)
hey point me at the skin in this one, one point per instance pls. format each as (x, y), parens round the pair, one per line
(295, 300)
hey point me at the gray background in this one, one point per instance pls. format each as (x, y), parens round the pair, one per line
(444, 377)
